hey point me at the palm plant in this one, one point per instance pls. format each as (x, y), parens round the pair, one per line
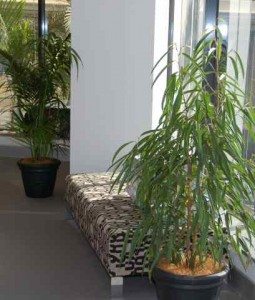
(191, 173)
(68, 14)
(19, 38)
(38, 88)
(11, 14)
(56, 19)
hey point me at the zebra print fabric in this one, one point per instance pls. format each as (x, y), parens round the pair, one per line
(104, 217)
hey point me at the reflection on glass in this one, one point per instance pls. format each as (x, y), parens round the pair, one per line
(250, 76)
(192, 21)
(237, 18)
(18, 24)
(191, 13)
(58, 12)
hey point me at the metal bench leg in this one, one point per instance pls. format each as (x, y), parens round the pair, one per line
(116, 287)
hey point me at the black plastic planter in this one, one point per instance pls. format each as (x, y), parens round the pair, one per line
(176, 287)
(39, 179)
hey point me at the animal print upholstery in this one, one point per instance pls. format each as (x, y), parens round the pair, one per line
(104, 217)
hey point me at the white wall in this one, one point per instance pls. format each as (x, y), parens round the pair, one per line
(160, 47)
(112, 101)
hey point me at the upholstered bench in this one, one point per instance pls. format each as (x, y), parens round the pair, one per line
(104, 217)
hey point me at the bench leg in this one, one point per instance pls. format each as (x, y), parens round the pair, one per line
(116, 287)
(68, 215)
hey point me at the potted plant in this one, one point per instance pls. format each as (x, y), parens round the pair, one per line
(192, 178)
(40, 86)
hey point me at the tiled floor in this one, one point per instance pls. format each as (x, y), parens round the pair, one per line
(44, 257)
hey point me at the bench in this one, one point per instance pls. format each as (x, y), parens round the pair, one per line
(104, 217)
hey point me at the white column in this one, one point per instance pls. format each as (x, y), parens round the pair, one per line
(160, 47)
(111, 102)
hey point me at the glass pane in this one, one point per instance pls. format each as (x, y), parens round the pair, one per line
(239, 27)
(58, 16)
(18, 23)
(58, 13)
(192, 21)
(191, 13)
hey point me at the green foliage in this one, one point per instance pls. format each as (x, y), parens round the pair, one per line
(59, 19)
(15, 31)
(192, 176)
(67, 21)
(11, 14)
(39, 87)
(56, 22)
(19, 40)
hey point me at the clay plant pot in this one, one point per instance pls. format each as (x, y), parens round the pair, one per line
(181, 287)
(39, 177)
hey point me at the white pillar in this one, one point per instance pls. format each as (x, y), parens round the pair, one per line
(111, 102)
(160, 47)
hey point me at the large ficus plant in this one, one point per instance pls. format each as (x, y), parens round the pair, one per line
(191, 173)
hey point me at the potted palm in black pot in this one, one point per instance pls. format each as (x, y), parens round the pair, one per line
(39, 88)
(192, 178)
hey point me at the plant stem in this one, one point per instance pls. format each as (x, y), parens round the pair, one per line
(189, 204)
(189, 200)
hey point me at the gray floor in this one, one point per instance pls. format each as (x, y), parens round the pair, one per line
(43, 256)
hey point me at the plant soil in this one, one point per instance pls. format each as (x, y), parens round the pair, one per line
(209, 267)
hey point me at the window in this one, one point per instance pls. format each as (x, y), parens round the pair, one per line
(18, 23)
(186, 20)
(239, 18)
(57, 15)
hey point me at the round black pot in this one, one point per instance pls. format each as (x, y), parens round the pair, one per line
(178, 287)
(39, 179)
